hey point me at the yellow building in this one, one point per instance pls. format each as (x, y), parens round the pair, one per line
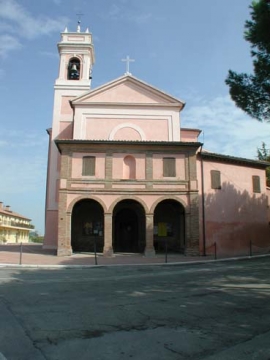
(14, 228)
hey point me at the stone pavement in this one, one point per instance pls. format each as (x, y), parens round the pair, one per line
(34, 255)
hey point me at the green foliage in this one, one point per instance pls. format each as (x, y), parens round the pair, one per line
(37, 239)
(251, 92)
(263, 154)
(3, 240)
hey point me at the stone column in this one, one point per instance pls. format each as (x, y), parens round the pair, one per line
(149, 232)
(107, 249)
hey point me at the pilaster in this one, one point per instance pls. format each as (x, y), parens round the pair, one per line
(192, 227)
(108, 248)
(149, 238)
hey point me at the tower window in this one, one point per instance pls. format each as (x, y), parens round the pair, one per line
(74, 67)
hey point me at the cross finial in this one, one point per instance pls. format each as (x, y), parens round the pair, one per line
(79, 22)
(127, 60)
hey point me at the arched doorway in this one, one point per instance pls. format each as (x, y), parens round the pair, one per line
(169, 226)
(128, 227)
(87, 226)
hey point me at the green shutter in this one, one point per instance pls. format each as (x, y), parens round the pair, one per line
(89, 165)
(256, 184)
(169, 167)
(215, 179)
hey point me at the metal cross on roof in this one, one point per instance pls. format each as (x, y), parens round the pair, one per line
(79, 22)
(127, 60)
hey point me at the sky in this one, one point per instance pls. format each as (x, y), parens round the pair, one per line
(182, 47)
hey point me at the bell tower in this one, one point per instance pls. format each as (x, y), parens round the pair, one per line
(76, 52)
(77, 57)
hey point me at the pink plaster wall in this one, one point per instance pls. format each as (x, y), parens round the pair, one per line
(190, 135)
(127, 133)
(127, 93)
(119, 166)
(50, 239)
(234, 215)
(65, 105)
(77, 165)
(102, 128)
(65, 130)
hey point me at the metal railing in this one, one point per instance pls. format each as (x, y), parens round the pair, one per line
(15, 224)
(251, 250)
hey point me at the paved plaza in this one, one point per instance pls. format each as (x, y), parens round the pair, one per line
(211, 311)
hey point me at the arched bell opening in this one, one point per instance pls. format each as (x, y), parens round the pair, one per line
(169, 227)
(87, 226)
(129, 227)
(74, 69)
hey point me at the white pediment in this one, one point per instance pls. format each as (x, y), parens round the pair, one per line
(127, 90)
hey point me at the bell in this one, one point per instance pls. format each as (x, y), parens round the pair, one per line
(74, 67)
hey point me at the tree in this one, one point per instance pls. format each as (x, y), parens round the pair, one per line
(263, 154)
(251, 92)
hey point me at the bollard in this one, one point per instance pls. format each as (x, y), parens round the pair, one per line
(166, 252)
(21, 254)
(95, 250)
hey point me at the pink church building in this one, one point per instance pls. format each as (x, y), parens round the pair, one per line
(124, 175)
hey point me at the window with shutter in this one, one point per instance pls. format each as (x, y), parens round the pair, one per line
(215, 179)
(89, 166)
(169, 167)
(256, 184)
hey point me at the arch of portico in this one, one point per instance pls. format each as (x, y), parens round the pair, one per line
(145, 219)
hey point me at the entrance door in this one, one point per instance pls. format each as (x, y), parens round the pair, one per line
(128, 227)
(126, 231)
(169, 222)
(87, 226)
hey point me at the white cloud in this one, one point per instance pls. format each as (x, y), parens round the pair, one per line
(117, 12)
(226, 129)
(17, 20)
(141, 18)
(49, 54)
(8, 43)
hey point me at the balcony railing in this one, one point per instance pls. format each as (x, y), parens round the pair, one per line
(15, 224)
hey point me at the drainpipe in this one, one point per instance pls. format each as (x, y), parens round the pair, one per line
(203, 204)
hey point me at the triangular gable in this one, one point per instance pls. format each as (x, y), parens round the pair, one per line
(127, 90)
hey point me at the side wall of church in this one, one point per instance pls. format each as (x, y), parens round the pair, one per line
(235, 214)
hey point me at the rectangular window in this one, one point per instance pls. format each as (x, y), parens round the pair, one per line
(215, 179)
(256, 184)
(169, 167)
(89, 166)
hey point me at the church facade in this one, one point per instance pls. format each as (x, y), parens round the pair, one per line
(125, 176)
